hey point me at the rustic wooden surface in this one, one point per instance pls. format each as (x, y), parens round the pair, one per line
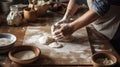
(95, 39)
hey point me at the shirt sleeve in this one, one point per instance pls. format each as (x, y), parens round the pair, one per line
(101, 6)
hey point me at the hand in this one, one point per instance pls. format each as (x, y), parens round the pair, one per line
(57, 25)
(60, 31)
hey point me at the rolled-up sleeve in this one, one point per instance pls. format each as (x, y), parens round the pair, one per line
(101, 6)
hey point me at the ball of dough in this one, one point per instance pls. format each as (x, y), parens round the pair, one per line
(55, 45)
(45, 40)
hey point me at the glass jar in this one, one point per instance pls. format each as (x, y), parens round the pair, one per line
(15, 16)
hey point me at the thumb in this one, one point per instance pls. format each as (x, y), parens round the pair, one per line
(52, 28)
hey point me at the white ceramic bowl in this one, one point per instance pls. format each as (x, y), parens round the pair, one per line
(7, 41)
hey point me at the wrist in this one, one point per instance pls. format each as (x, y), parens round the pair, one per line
(71, 26)
(67, 16)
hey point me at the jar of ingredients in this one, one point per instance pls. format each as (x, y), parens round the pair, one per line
(15, 16)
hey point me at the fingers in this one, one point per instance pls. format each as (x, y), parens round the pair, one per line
(57, 23)
(58, 36)
(52, 28)
(57, 32)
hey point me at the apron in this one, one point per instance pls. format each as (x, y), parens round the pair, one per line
(109, 23)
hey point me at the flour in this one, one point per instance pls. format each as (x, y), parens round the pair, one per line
(83, 56)
(105, 61)
(24, 55)
(73, 59)
(71, 51)
(71, 47)
(103, 49)
(5, 41)
(32, 39)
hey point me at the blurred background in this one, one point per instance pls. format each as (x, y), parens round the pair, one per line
(4, 4)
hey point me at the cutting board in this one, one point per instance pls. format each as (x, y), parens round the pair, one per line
(76, 52)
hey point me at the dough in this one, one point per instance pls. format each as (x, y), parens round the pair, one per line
(58, 26)
(45, 40)
(55, 45)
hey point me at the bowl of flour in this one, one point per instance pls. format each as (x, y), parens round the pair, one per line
(7, 41)
(104, 59)
(24, 54)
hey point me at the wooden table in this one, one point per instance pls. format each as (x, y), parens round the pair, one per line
(95, 39)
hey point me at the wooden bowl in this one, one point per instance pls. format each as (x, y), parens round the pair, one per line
(7, 41)
(24, 54)
(103, 59)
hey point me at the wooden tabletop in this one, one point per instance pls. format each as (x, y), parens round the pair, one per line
(97, 41)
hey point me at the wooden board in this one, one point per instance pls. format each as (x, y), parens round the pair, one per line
(77, 52)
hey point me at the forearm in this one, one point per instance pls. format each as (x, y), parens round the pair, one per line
(71, 9)
(84, 20)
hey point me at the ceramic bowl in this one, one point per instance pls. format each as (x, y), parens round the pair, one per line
(24, 54)
(7, 42)
(104, 59)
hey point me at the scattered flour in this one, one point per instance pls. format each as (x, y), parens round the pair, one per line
(32, 39)
(73, 59)
(70, 52)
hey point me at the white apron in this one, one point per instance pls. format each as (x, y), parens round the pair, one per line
(108, 24)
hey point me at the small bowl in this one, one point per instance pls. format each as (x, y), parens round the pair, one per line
(29, 14)
(7, 41)
(24, 54)
(103, 59)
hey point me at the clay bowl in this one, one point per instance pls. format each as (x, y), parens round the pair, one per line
(103, 59)
(29, 14)
(7, 42)
(24, 54)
